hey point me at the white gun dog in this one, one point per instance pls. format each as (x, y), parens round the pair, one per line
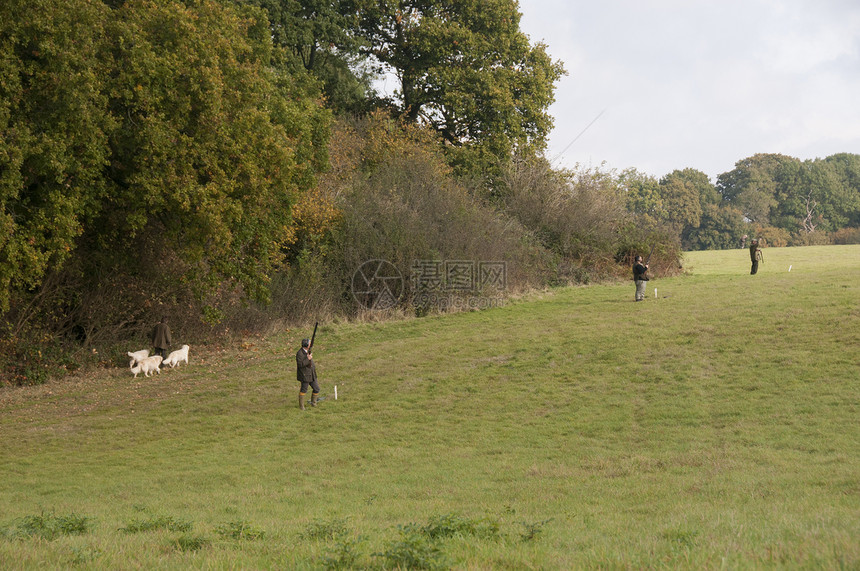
(177, 357)
(137, 356)
(147, 366)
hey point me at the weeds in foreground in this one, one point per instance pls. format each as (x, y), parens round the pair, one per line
(419, 546)
(453, 525)
(49, 526)
(344, 555)
(531, 530)
(321, 529)
(159, 522)
(413, 550)
(240, 530)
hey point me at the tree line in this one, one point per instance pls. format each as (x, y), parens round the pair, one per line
(229, 163)
(782, 199)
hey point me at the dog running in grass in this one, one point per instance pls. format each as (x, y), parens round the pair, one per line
(177, 357)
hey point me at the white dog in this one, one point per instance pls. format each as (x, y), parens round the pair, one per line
(138, 356)
(177, 357)
(147, 366)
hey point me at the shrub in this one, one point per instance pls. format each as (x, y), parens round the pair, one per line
(531, 530)
(774, 237)
(51, 526)
(803, 238)
(159, 522)
(343, 555)
(846, 236)
(240, 530)
(453, 525)
(413, 550)
(399, 203)
(580, 217)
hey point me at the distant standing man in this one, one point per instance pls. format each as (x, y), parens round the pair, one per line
(640, 277)
(161, 338)
(755, 256)
(306, 374)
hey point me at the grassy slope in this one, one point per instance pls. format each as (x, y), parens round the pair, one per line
(715, 424)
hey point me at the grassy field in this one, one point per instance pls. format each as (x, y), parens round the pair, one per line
(714, 425)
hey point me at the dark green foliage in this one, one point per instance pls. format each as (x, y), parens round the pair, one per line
(807, 200)
(344, 555)
(319, 36)
(792, 202)
(466, 69)
(49, 526)
(214, 143)
(419, 546)
(454, 525)
(53, 133)
(413, 550)
(29, 361)
(151, 137)
(722, 227)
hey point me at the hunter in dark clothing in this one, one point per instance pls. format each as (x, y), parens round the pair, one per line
(640, 277)
(755, 256)
(161, 338)
(306, 374)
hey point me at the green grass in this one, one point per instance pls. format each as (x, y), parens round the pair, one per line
(715, 425)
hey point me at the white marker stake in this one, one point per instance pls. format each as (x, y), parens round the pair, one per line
(789, 268)
(335, 392)
(655, 292)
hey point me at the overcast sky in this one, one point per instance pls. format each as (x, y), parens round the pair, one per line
(674, 84)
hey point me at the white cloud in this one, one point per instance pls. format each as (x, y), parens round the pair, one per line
(700, 84)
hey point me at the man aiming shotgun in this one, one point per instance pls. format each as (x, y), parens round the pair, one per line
(306, 371)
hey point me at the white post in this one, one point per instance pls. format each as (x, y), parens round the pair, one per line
(335, 392)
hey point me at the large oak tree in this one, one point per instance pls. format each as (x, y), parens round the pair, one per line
(468, 70)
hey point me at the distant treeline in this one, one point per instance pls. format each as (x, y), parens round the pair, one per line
(229, 164)
(784, 200)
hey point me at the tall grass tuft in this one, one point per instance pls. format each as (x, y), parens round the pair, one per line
(413, 549)
(169, 523)
(50, 526)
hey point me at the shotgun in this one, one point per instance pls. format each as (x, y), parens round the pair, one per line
(313, 336)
